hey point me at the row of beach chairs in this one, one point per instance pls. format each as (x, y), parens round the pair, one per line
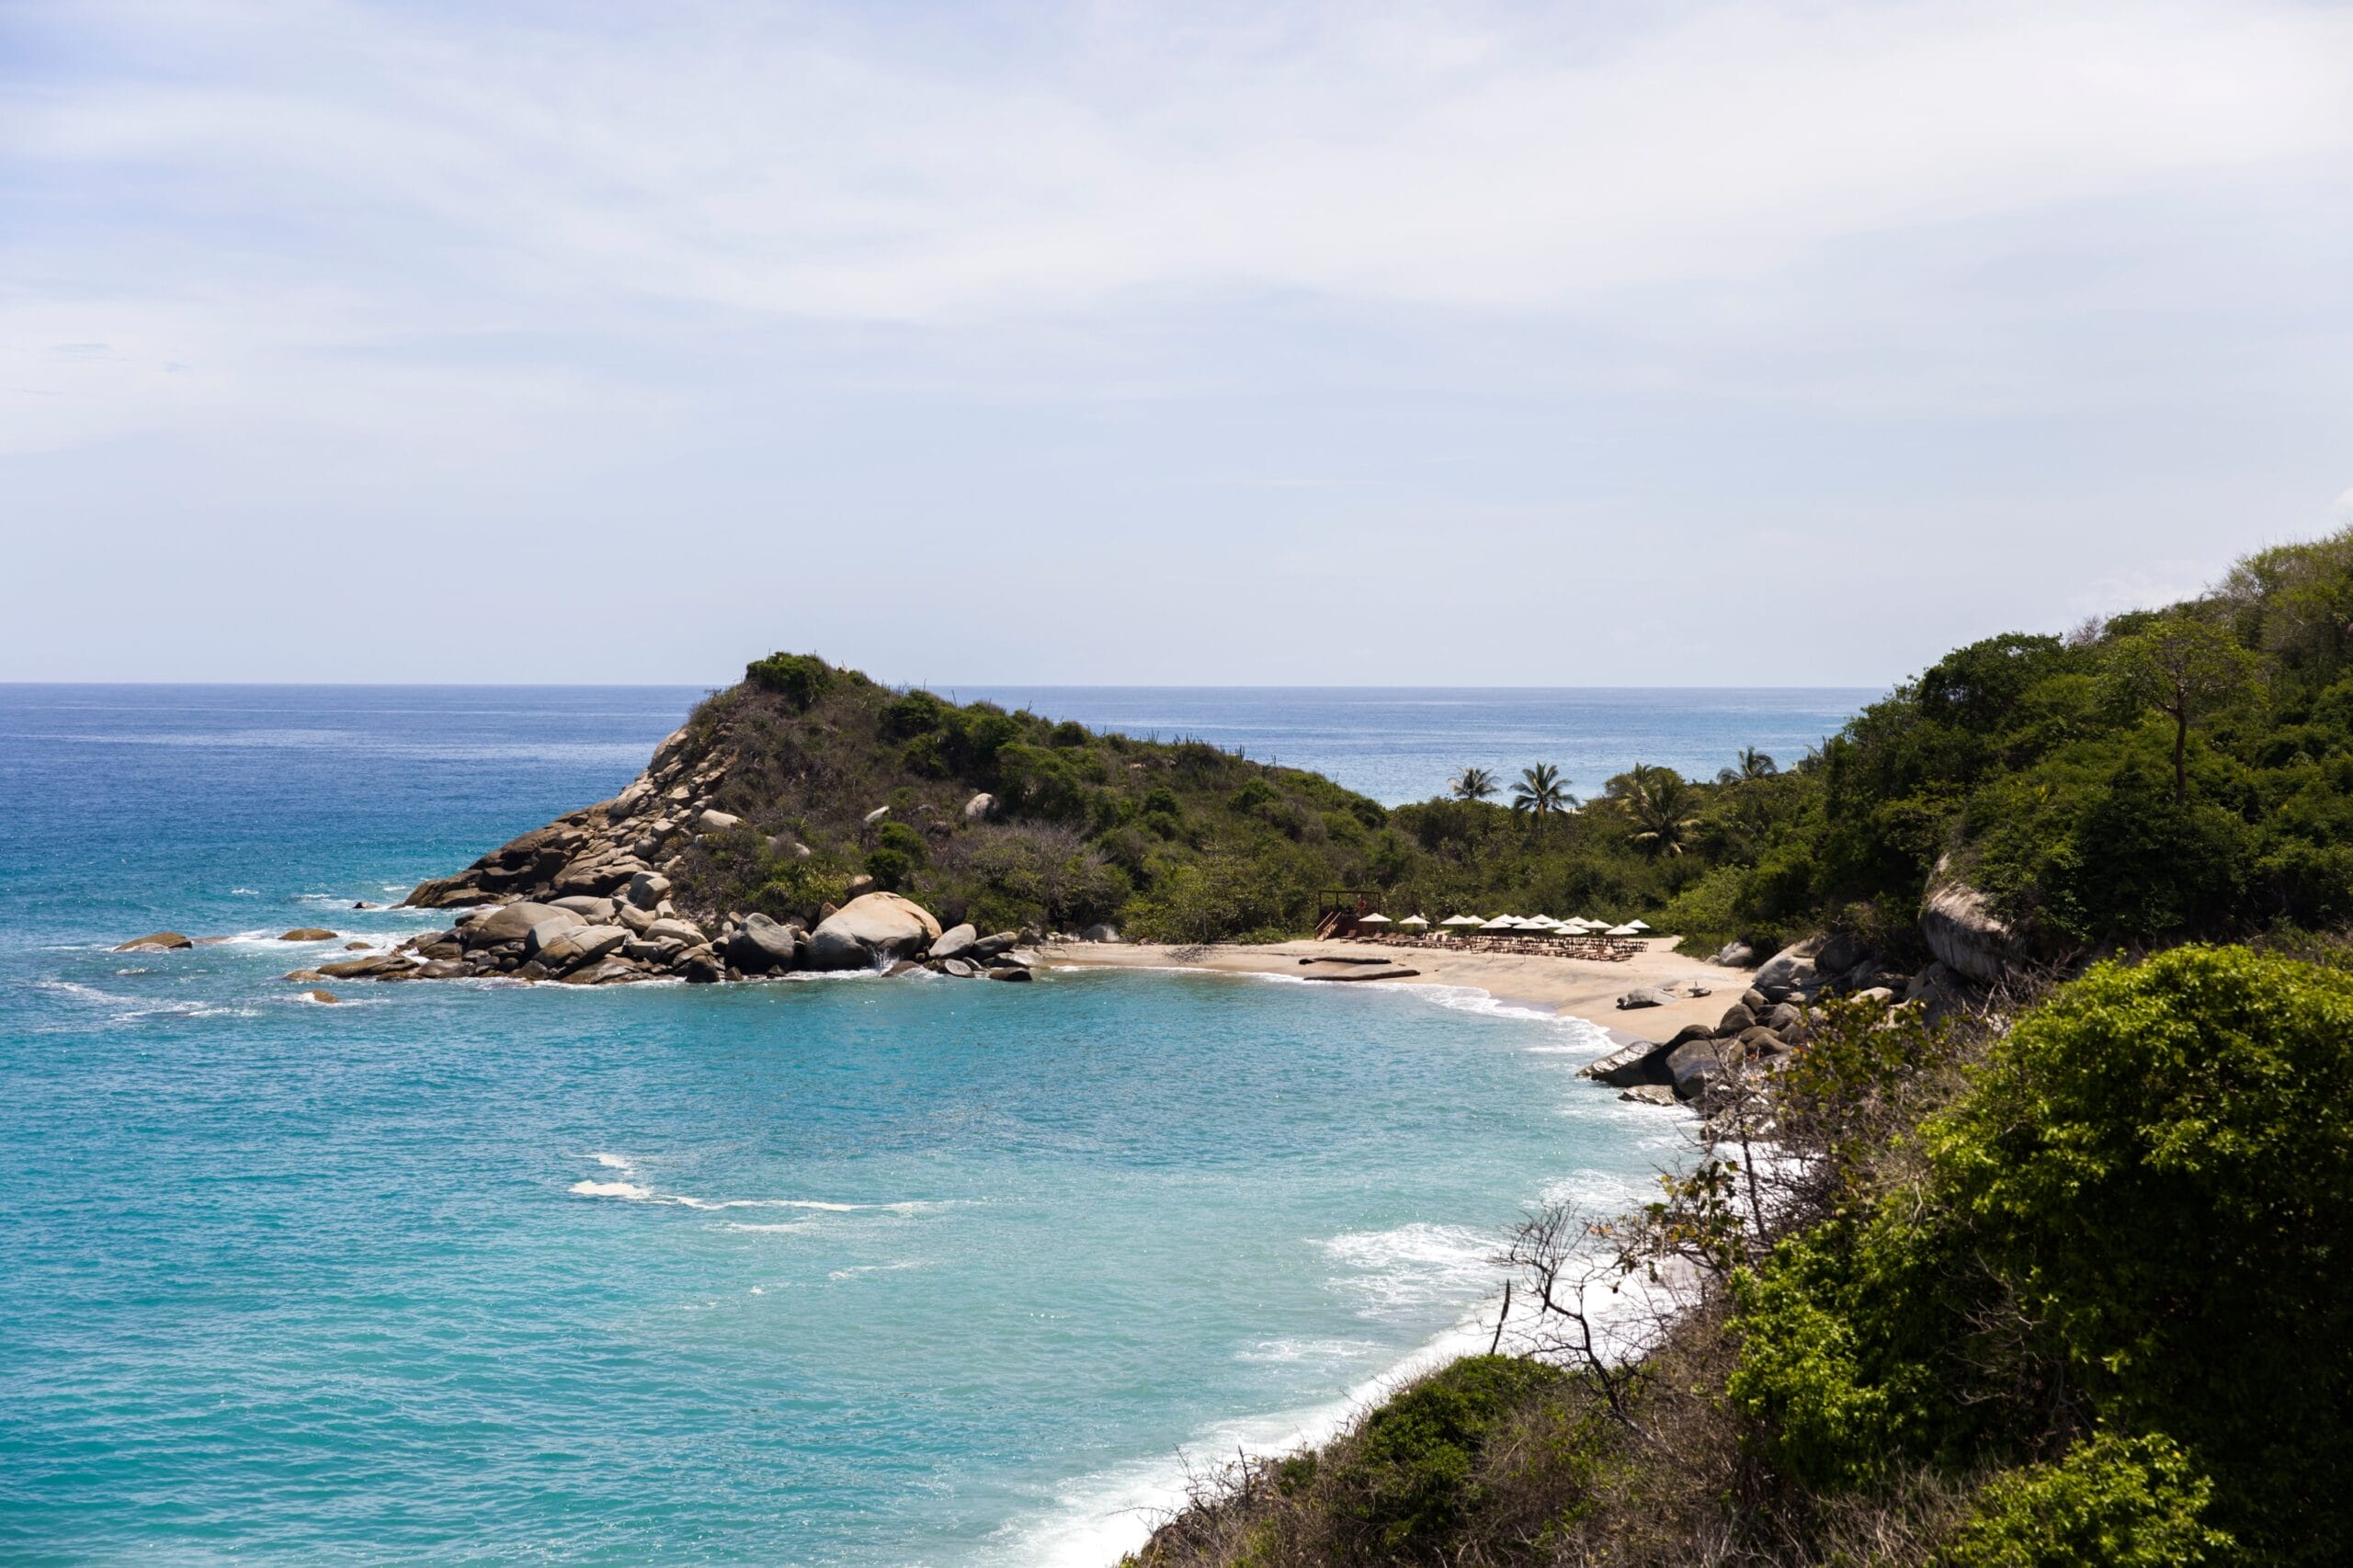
(1608, 950)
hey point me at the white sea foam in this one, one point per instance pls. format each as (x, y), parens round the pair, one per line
(637, 1192)
(628, 1190)
(859, 1271)
(1290, 1350)
(1413, 1266)
(1098, 1517)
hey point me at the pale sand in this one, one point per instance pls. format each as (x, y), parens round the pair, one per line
(1587, 988)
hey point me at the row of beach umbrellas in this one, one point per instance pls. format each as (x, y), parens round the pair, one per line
(1501, 923)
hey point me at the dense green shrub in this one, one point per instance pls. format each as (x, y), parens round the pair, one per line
(1409, 1475)
(2136, 1215)
(2109, 1503)
(799, 678)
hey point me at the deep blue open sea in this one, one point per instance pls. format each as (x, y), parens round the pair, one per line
(847, 1272)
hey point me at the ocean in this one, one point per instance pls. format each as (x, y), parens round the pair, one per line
(845, 1272)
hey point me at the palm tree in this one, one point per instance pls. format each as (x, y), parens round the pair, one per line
(1753, 763)
(1542, 791)
(1661, 807)
(1473, 784)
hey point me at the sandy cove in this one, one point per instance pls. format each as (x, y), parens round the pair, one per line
(1587, 988)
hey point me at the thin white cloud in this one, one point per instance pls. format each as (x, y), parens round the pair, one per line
(1917, 308)
(759, 160)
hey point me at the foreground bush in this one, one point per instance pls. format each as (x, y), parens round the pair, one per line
(2136, 1220)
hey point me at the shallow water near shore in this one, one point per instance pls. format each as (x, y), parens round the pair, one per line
(847, 1272)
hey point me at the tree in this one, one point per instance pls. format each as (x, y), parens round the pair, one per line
(1661, 805)
(2185, 669)
(1751, 764)
(1542, 791)
(1473, 784)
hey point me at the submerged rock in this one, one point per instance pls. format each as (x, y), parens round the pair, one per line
(156, 942)
(308, 934)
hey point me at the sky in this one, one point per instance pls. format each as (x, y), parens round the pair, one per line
(1197, 344)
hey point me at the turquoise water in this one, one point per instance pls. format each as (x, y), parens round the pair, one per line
(848, 1272)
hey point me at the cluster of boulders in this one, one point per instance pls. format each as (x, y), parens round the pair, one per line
(581, 939)
(1702, 1064)
(876, 931)
(597, 851)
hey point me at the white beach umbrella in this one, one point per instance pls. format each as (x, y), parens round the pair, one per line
(1414, 920)
(1372, 920)
(1463, 920)
(1502, 923)
(1624, 931)
(1638, 925)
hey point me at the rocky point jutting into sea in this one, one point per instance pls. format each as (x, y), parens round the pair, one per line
(587, 900)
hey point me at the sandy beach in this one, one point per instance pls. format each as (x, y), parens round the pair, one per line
(1587, 988)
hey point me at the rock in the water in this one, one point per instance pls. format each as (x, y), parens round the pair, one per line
(376, 966)
(328, 997)
(155, 942)
(363, 904)
(1644, 997)
(1693, 1066)
(308, 934)
(1011, 972)
(760, 944)
(1964, 933)
(511, 923)
(990, 947)
(700, 966)
(873, 926)
(959, 967)
(957, 941)
(647, 889)
(577, 946)
(1100, 933)
(980, 807)
(594, 911)
(1650, 1093)
(1737, 1017)
(1644, 1061)
(303, 976)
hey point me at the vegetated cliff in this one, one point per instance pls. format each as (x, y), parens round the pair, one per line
(2067, 1290)
(806, 785)
(2027, 801)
